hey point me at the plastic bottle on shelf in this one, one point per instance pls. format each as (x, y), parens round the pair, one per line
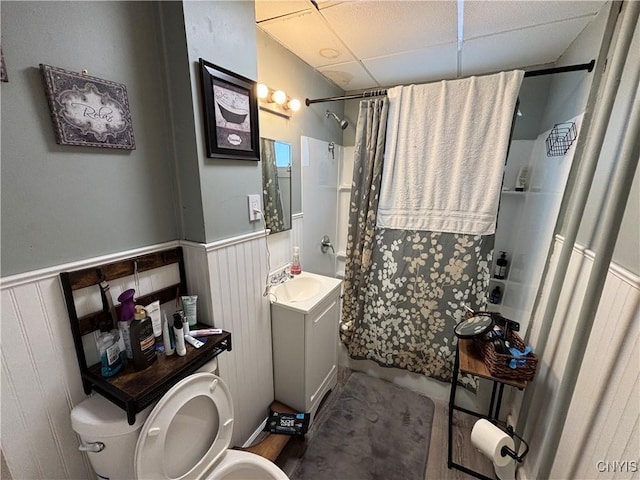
(181, 348)
(495, 296)
(500, 270)
(127, 312)
(143, 342)
(109, 349)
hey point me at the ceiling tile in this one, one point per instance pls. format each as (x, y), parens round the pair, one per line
(520, 48)
(266, 9)
(348, 76)
(378, 28)
(485, 18)
(421, 66)
(306, 35)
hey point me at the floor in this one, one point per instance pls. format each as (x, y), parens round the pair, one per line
(437, 469)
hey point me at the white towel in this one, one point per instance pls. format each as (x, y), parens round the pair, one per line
(445, 152)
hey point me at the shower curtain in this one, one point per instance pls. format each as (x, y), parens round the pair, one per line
(367, 175)
(404, 289)
(273, 211)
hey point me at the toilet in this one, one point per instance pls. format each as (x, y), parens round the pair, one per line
(185, 435)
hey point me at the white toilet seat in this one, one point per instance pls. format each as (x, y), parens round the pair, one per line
(188, 430)
(240, 465)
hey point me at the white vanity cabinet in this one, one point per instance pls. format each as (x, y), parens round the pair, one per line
(305, 347)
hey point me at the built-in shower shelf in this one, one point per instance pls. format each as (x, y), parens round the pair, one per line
(344, 188)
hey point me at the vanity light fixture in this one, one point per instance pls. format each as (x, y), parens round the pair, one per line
(277, 101)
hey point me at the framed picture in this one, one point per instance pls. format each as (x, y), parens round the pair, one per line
(88, 111)
(230, 114)
(3, 69)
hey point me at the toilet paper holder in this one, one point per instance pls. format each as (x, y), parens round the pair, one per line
(506, 451)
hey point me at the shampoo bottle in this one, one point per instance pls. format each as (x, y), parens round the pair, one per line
(181, 348)
(496, 295)
(296, 269)
(501, 266)
(143, 342)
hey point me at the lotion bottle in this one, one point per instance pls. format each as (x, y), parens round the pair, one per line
(181, 348)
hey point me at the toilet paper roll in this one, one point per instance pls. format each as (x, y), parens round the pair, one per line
(489, 440)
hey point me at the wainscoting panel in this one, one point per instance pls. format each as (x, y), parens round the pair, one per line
(281, 244)
(40, 383)
(237, 275)
(602, 423)
(40, 376)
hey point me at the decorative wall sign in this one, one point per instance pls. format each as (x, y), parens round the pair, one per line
(3, 69)
(230, 113)
(88, 111)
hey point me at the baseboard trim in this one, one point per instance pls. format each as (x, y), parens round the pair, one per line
(255, 434)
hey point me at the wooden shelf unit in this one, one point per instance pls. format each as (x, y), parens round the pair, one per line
(133, 390)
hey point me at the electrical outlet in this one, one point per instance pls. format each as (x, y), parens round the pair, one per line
(254, 204)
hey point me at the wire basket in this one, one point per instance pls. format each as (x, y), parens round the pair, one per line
(498, 364)
(561, 138)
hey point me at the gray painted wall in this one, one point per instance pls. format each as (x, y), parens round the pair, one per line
(570, 91)
(280, 69)
(62, 203)
(223, 33)
(183, 128)
(627, 251)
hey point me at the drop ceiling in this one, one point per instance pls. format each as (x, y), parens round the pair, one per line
(361, 44)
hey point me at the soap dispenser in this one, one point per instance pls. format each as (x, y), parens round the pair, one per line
(143, 342)
(296, 269)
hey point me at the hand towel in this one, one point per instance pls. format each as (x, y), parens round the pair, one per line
(445, 152)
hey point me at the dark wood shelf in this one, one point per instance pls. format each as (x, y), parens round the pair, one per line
(133, 390)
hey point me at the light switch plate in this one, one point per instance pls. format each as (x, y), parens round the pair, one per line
(254, 204)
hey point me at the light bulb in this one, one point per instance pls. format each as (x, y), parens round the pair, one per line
(263, 91)
(294, 104)
(279, 97)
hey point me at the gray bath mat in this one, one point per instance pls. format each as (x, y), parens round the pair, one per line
(374, 431)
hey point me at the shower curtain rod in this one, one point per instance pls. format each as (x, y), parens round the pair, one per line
(532, 73)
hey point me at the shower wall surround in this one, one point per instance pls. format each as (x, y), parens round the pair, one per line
(526, 221)
(320, 168)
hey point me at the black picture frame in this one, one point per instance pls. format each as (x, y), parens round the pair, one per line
(230, 107)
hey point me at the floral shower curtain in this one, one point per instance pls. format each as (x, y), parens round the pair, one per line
(404, 290)
(367, 175)
(273, 211)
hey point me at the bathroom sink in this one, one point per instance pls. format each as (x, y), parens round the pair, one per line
(298, 289)
(303, 291)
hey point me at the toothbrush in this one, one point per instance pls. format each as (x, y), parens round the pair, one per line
(205, 331)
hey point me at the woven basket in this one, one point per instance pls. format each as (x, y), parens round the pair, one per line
(498, 364)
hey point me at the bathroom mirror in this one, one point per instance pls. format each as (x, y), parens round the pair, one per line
(276, 184)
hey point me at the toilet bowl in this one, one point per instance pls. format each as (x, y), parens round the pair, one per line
(185, 435)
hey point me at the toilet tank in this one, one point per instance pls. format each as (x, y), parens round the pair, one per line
(96, 419)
